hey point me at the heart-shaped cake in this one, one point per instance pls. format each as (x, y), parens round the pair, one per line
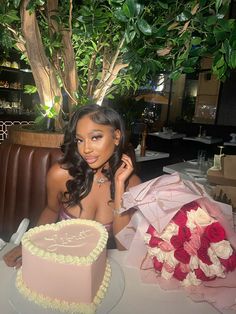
(64, 265)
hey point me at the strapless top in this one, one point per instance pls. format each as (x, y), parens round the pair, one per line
(64, 215)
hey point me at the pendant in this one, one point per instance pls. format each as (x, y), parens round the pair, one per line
(101, 180)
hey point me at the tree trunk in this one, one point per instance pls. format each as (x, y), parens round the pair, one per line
(70, 73)
(44, 76)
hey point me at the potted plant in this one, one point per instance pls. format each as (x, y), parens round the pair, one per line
(93, 49)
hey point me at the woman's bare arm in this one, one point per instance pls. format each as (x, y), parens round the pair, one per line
(56, 179)
(56, 182)
(122, 174)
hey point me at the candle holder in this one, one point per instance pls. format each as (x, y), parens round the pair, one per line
(200, 131)
(233, 140)
(221, 149)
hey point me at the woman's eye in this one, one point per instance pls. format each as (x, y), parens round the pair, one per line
(96, 137)
(78, 141)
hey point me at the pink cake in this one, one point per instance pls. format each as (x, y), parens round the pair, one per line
(64, 265)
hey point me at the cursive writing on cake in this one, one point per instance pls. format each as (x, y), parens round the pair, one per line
(67, 240)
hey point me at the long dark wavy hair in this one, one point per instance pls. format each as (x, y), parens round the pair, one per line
(82, 175)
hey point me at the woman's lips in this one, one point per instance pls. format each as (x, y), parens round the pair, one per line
(91, 160)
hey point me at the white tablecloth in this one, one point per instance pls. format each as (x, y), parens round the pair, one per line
(138, 298)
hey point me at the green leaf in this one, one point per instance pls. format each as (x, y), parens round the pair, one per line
(117, 81)
(30, 89)
(138, 8)
(129, 8)
(117, 1)
(144, 27)
(218, 4)
(85, 11)
(163, 5)
(94, 45)
(39, 119)
(57, 99)
(211, 20)
(16, 3)
(10, 17)
(188, 70)
(175, 75)
(232, 60)
(110, 96)
(119, 14)
(220, 62)
(196, 41)
(129, 35)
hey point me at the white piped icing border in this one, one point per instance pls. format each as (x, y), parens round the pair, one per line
(64, 306)
(67, 259)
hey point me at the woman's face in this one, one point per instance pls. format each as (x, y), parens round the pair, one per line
(96, 142)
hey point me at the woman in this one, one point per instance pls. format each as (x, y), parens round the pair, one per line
(90, 179)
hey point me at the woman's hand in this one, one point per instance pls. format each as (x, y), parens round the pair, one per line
(125, 170)
(13, 257)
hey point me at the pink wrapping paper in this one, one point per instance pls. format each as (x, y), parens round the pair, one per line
(157, 201)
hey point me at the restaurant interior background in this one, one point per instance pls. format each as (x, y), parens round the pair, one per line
(195, 104)
(192, 104)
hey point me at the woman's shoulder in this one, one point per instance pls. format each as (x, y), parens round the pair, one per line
(57, 171)
(134, 180)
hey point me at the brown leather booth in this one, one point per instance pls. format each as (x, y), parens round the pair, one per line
(23, 172)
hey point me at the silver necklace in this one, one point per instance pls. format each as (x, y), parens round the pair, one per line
(101, 180)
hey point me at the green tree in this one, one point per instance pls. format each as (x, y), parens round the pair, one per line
(93, 49)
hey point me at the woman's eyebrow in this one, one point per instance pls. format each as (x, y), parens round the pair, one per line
(90, 133)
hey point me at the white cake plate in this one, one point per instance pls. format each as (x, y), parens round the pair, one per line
(114, 293)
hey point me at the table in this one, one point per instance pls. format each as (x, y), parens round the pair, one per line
(168, 135)
(138, 298)
(205, 140)
(150, 155)
(229, 144)
(189, 170)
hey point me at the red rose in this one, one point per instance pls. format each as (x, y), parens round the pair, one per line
(215, 232)
(151, 230)
(205, 242)
(190, 206)
(184, 233)
(201, 276)
(153, 242)
(182, 256)
(180, 218)
(179, 274)
(157, 265)
(203, 255)
(177, 241)
(230, 263)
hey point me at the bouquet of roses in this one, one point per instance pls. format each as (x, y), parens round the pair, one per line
(192, 248)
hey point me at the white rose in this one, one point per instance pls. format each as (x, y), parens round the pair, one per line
(222, 249)
(147, 238)
(212, 270)
(213, 257)
(194, 262)
(152, 251)
(170, 258)
(206, 269)
(161, 256)
(199, 217)
(170, 230)
(190, 280)
(191, 220)
(165, 274)
(217, 270)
